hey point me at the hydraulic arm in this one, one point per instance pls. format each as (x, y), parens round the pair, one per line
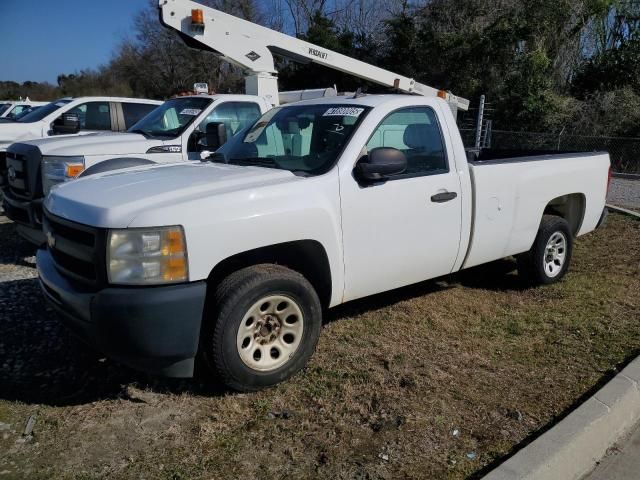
(251, 47)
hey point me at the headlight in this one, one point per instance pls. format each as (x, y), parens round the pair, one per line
(56, 170)
(147, 256)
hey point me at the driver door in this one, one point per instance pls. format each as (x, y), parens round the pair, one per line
(400, 232)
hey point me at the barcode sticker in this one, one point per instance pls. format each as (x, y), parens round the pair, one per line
(190, 111)
(343, 112)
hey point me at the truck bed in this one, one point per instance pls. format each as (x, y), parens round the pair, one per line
(511, 193)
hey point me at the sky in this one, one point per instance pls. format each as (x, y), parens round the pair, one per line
(43, 38)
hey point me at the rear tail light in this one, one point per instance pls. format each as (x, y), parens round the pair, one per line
(609, 181)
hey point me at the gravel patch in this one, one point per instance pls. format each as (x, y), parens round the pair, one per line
(625, 193)
(39, 360)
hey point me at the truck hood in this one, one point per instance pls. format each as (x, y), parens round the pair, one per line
(15, 131)
(103, 143)
(115, 199)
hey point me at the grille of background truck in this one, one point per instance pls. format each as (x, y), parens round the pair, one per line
(17, 174)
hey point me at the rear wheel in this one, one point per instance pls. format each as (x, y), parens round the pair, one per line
(263, 327)
(549, 258)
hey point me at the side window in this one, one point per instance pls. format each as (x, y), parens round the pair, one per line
(415, 132)
(234, 115)
(135, 111)
(93, 115)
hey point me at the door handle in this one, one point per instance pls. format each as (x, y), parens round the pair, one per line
(444, 197)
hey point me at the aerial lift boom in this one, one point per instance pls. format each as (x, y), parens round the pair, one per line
(251, 47)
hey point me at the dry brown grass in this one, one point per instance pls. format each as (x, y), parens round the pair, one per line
(393, 377)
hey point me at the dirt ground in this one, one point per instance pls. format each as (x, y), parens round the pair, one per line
(437, 380)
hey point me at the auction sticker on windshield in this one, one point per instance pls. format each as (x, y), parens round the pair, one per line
(190, 111)
(343, 112)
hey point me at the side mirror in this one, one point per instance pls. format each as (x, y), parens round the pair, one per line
(67, 123)
(215, 135)
(381, 163)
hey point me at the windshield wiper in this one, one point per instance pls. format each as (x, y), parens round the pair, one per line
(173, 133)
(255, 161)
(216, 157)
(141, 132)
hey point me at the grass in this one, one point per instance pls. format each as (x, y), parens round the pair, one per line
(393, 377)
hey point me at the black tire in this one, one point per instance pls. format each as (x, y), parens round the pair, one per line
(233, 298)
(531, 265)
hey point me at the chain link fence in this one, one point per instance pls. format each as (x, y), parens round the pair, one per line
(624, 152)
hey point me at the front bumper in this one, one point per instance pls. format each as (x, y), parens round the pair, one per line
(153, 329)
(27, 214)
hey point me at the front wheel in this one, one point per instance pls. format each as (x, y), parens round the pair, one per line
(263, 327)
(549, 258)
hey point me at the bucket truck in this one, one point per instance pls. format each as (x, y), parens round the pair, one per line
(252, 47)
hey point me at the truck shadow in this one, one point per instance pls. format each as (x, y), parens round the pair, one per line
(500, 275)
(495, 276)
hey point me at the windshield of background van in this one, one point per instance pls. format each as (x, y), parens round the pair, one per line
(42, 112)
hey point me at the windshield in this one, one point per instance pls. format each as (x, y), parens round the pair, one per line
(305, 139)
(42, 112)
(4, 107)
(171, 118)
(25, 112)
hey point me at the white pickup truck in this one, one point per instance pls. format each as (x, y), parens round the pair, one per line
(319, 203)
(75, 115)
(70, 116)
(175, 131)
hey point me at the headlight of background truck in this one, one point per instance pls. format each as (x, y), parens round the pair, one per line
(56, 170)
(147, 256)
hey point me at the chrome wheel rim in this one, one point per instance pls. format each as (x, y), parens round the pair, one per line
(555, 254)
(270, 333)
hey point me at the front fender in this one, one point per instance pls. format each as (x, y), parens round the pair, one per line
(228, 224)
